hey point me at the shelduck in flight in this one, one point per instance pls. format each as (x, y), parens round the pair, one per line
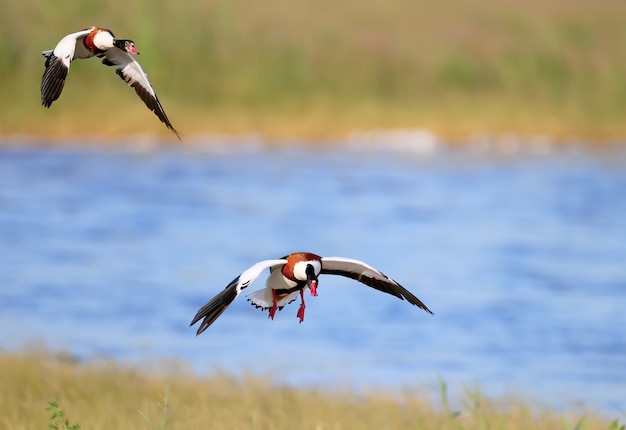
(98, 42)
(290, 276)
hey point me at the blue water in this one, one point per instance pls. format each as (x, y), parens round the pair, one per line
(110, 252)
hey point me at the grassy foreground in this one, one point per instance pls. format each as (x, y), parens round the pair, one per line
(112, 396)
(320, 68)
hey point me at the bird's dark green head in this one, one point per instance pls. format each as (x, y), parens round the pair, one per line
(311, 279)
(126, 45)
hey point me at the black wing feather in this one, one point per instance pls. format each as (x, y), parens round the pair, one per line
(53, 80)
(152, 102)
(216, 306)
(386, 287)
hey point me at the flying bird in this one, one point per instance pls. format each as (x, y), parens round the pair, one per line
(101, 43)
(289, 277)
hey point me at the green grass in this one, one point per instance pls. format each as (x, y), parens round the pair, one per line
(58, 420)
(322, 67)
(39, 389)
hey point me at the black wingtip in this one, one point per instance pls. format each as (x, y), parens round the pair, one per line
(202, 313)
(204, 324)
(423, 306)
(408, 296)
(201, 329)
(178, 135)
(195, 319)
(215, 307)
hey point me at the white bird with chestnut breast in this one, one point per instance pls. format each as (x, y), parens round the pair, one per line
(289, 277)
(98, 42)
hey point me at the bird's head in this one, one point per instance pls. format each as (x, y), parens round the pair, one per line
(126, 45)
(311, 279)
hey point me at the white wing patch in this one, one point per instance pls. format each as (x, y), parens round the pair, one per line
(249, 276)
(66, 48)
(129, 69)
(354, 266)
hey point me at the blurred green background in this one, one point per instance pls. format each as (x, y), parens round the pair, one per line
(320, 68)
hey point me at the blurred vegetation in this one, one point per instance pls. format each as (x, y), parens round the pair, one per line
(111, 396)
(326, 67)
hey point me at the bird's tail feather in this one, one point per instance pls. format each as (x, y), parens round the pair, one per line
(263, 298)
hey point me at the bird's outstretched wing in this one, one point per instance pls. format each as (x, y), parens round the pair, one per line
(131, 72)
(218, 304)
(58, 65)
(369, 276)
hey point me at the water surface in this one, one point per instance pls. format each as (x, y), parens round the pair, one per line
(110, 252)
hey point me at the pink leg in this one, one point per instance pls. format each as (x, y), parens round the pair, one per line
(302, 307)
(274, 305)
